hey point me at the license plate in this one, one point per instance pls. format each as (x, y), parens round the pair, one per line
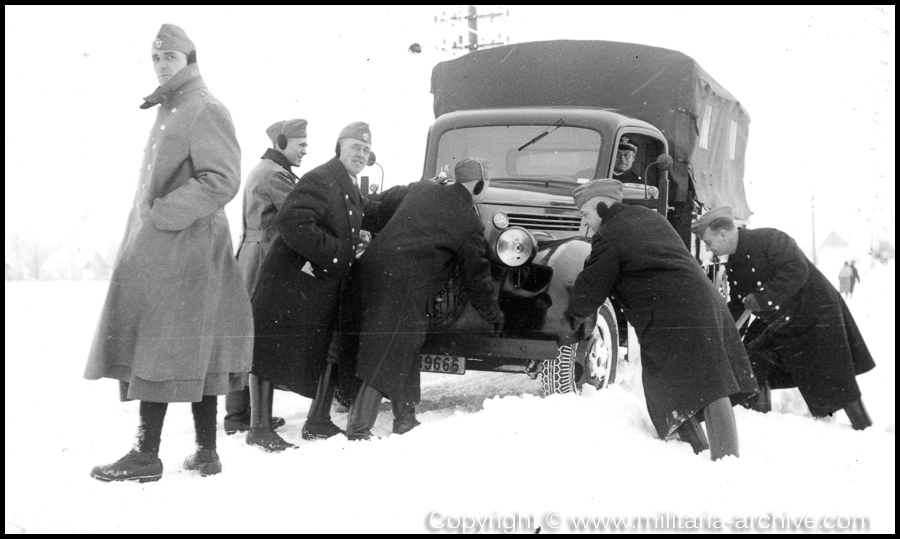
(442, 364)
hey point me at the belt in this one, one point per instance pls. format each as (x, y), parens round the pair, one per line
(253, 235)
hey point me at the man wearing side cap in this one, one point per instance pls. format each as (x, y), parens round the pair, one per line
(177, 324)
(804, 335)
(434, 229)
(303, 285)
(268, 184)
(693, 363)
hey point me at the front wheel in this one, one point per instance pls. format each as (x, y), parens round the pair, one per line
(592, 361)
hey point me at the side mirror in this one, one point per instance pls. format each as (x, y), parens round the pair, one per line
(372, 159)
(664, 162)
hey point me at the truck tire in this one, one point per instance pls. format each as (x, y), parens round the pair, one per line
(592, 361)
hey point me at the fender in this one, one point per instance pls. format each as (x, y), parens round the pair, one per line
(566, 259)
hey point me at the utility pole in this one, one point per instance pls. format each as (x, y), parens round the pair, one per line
(473, 40)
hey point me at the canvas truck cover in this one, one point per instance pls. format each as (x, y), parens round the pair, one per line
(705, 126)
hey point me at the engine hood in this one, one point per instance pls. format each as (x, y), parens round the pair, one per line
(515, 196)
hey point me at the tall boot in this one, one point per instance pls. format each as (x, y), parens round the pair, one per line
(261, 433)
(859, 417)
(691, 432)
(318, 424)
(404, 416)
(237, 410)
(722, 430)
(363, 413)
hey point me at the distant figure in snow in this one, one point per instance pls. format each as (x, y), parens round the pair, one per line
(845, 280)
(177, 324)
(855, 279)
(804, 335)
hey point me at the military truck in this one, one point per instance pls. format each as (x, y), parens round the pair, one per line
(550, 116)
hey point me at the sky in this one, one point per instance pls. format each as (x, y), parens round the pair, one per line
(818, 83)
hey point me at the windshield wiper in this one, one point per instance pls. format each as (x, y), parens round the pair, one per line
(543, 134)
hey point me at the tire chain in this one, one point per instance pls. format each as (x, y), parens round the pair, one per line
(556, 376)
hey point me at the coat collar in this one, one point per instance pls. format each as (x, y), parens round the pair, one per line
(185, 80)
(279, 158)
(743, 246)
(611, 213)
(339, 171)
(463, 193)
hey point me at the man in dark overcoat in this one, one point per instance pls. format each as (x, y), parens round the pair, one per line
(302, 284)
(268, 184)
(177, 324)
(434, 229)
(691, 354)
(804, 335)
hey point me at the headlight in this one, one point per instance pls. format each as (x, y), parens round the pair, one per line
(515, 247)
(500, 220)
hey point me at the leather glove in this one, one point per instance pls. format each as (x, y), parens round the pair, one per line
(365, 238)
(750, 302)
(582, 326)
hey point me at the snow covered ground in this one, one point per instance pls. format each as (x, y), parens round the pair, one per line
(491, 454)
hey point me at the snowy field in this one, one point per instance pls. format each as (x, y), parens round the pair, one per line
(491, 455)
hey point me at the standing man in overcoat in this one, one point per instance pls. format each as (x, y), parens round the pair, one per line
(434, 229)
(692, 359)
(177, 324)
(804, 335)
(268, 184)
(302, 285)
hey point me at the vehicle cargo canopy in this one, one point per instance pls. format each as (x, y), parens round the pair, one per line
(705, 126)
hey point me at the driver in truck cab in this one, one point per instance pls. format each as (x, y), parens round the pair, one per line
(625, 154)
(693, 363)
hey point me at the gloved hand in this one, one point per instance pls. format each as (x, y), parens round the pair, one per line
(582, 326)
(750, 302)
(365, 238)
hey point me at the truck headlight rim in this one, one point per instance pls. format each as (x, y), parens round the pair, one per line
(515, 247)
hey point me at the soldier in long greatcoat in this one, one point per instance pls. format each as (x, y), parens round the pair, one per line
(434, 229)
(303, 284)
(177, 324)
(268, 184)
(692, 360)
(804, 335)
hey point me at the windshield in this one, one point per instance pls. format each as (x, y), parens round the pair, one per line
(553, 158)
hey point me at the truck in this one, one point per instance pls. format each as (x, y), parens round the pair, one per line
(550, 116)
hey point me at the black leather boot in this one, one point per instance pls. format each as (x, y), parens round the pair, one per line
(761, 402)
(318, 424)
(722, 429)
(261, 433)
(363, 413)
(691, 432)
(404, 417)
(859, 417)
(237, 412)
